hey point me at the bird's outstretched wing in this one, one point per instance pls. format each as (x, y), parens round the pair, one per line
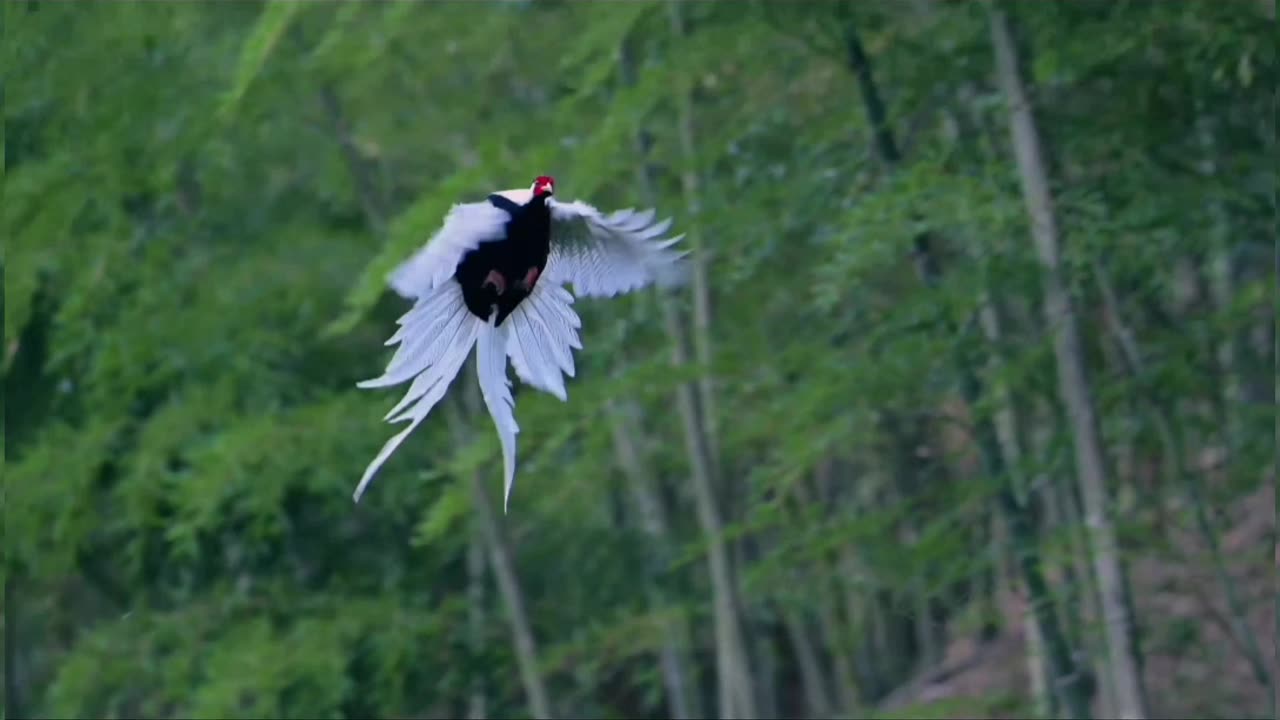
(465, 227)
(605, 255)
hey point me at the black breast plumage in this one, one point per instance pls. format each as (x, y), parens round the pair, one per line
(503, 272)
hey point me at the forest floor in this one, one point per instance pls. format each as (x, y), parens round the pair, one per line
(1193, 666)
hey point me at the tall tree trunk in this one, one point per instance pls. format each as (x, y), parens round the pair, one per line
(831, 584)
(1175, 452)
(690, 183)
(883, 661)
(671, 656)
(1008, 422)
(1012, 426)
(1074, 385)
(14, 662)
(1079, 589)
(475, 617)
(844, 655)
(735, 689)
(817, 696)
(1037, 668)
(733, 669)
(1222, 283)
(928, 644)
(513, 596)
(526, 648)
(765, 654)
(1067, 679)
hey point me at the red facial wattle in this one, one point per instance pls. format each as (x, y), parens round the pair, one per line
(544, 185)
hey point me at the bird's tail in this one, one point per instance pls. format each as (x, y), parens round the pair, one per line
(539, 336)
(435, 338)
(542, 337)
(491, 369)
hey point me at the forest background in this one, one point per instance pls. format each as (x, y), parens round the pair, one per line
(967, 411)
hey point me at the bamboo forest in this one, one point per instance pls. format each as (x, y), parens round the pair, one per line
(965, 408)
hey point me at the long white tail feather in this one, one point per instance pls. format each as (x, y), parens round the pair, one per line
(464, 338)
(425, 339)
(491, 369)
(433, 305)
(518, 362)
(435, 338)
(538, 354)
(437, 362)
(528, 359)
(542, 339)
(515, 349)
(556, 339)
(407, 406)
(424, 350)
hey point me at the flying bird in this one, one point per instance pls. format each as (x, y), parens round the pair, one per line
(492, 277)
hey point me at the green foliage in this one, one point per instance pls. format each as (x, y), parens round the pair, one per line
(203, 201)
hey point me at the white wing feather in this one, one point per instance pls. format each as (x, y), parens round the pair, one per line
(465, 227)
(606, 255)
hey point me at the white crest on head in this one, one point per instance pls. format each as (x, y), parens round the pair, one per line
(519, 196)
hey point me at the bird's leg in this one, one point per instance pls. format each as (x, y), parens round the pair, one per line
(495, 279)
(530, 278)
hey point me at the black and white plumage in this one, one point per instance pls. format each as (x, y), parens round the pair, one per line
(493, 277)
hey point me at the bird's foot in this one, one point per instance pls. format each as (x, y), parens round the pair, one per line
(495, 279)
(530, 278)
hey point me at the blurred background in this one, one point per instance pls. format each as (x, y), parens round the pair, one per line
(968, 410)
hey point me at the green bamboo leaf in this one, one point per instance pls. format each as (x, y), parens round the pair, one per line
(271, 25)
